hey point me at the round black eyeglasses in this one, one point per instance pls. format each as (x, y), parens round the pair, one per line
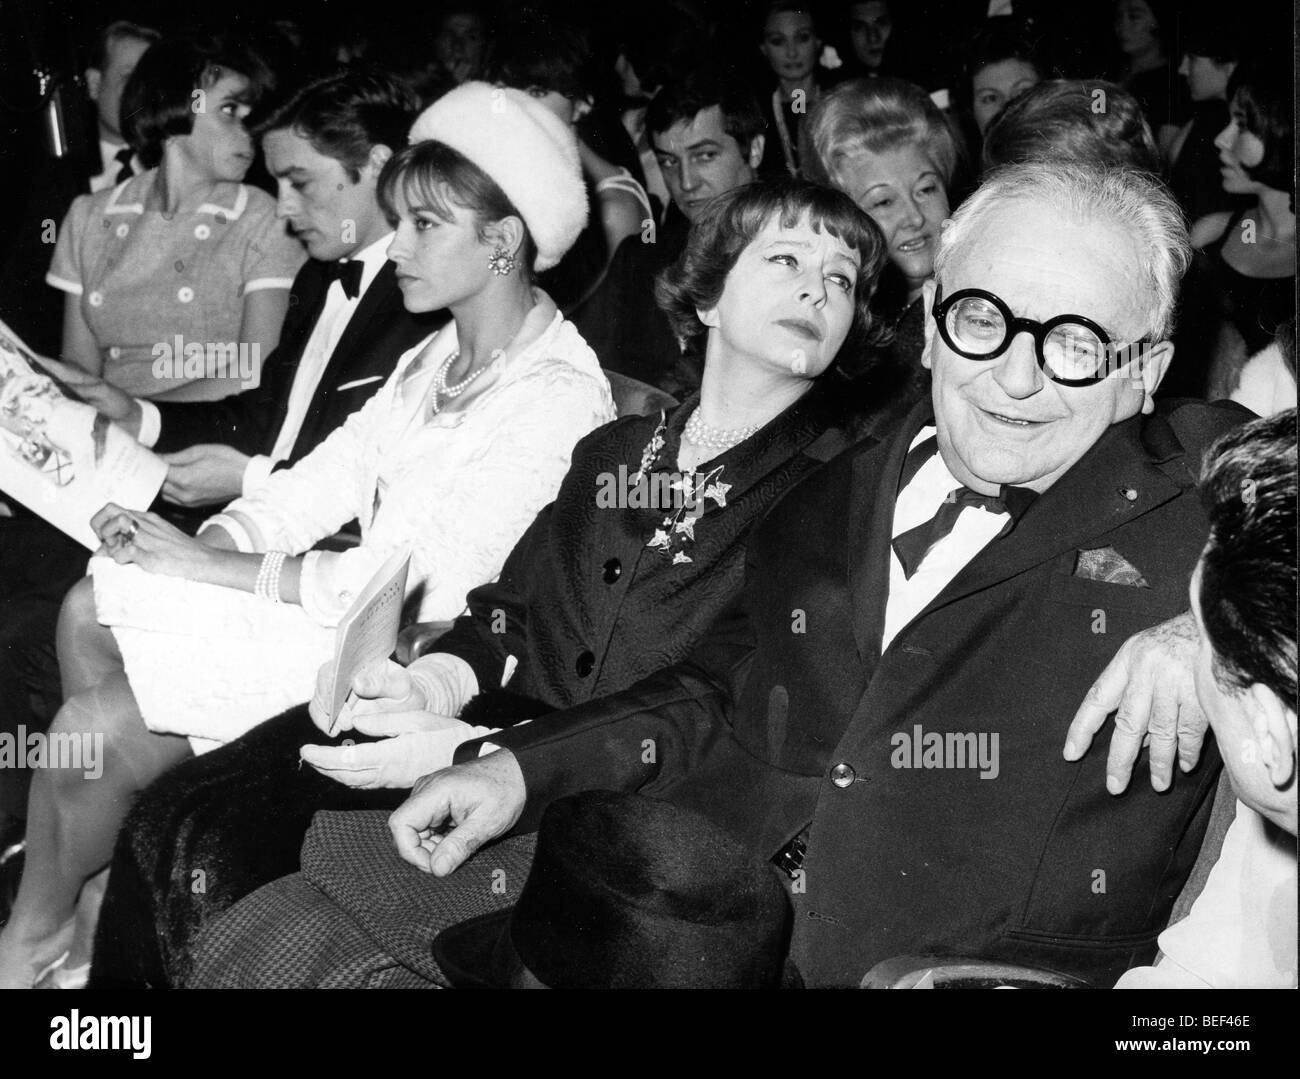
(1071, 349)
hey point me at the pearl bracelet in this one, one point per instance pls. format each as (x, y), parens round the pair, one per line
(267, 586)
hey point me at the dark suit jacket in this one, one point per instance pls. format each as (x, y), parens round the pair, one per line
(380, 330)
(786, 714)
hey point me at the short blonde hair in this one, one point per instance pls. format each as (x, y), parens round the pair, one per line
(876, 116)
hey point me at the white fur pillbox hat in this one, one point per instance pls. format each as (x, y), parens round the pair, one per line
(530, 153)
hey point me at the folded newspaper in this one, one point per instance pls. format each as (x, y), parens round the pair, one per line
(61, 458)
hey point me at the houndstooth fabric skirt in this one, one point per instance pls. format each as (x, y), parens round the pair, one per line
(356, 916)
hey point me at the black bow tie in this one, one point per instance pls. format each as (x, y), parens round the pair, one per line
(123, 158)
(348, 274)
(913, 545)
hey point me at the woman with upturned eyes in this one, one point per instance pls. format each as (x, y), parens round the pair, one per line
(176, 645)
(888, 147)
(619, 577)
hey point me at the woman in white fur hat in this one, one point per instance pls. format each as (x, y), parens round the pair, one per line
(181, 644)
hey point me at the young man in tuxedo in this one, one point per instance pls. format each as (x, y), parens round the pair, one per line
(882, 710)
(345, 330)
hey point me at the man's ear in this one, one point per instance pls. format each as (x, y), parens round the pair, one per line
(1153, 363)
(377, 159)
(1275, 730)
(756, 147)
(927, 304)
(708, 315)
(94, 79)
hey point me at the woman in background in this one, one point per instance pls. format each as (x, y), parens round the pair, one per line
(183, 250)
(790, 45)
(886, 145)
(1251, 254)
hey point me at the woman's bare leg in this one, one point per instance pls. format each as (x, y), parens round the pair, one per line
(73, 817)
(88, 652)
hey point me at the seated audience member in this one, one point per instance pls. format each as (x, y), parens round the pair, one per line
(999, 65)
(602, 590)
(1089, 121)
(1038, 487)
(463, 46)
(1251, 254)
(452, 458)
(1268, 380)
(871, 28)
(28, 307)
(326, 146)
(161, 256)
(885, 144)
(119, 248)
(707, 135)
(554, 64)
(1144, 30)
(1241, 931)
(1210, 54)
(790, 45)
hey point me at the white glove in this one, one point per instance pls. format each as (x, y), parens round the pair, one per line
(438, 683)
(415, 744)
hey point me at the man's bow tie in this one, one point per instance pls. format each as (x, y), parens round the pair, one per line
(348, 274)
(913, 545)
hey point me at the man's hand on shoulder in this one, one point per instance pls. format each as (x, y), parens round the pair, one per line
(1150, 687)
(452, 813)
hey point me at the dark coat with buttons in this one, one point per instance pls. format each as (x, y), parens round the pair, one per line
(586, 607)
(788, 717)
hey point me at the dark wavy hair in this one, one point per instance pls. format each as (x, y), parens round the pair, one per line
(1090, 121)
(344, 114)
(1248, 569)
(1265, 97)
(430, 175)
(158, 100)
(683, 97)
(998, 41)
(730, 222)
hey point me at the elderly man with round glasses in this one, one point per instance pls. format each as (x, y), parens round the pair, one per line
(882, 710)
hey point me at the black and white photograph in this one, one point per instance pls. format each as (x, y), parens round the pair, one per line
(675, 494)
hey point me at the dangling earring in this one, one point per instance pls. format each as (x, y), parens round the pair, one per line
(502, 262)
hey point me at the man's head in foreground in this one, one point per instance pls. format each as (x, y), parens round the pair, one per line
(1051, 309)
(1244, 598)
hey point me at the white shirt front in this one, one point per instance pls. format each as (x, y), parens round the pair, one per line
(108, 152)
(325, 336)
(917, 503)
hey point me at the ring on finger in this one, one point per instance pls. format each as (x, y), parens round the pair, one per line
(128, 534)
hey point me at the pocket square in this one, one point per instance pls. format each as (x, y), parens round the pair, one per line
(1107, 564)
(358, 382)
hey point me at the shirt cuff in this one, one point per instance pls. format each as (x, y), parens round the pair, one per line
(448, 682)
(237, 532)
(486, 748)
(150, 424)
(256, 473)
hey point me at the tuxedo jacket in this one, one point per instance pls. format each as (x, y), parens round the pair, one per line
(377, 334)
(789, 719)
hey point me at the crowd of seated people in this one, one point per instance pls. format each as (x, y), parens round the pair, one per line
(757, 395)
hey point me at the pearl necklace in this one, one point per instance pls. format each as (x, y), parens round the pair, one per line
(716, 438)
(440, 387)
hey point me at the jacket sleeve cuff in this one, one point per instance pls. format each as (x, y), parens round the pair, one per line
(150, 424)
(256, 473)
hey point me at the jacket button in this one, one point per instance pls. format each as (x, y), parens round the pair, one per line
(843, 775)
(584, 664)
(613, 569)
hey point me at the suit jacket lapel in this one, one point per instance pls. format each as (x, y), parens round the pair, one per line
(380, 299)
(870, 530)
(1117, 480)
